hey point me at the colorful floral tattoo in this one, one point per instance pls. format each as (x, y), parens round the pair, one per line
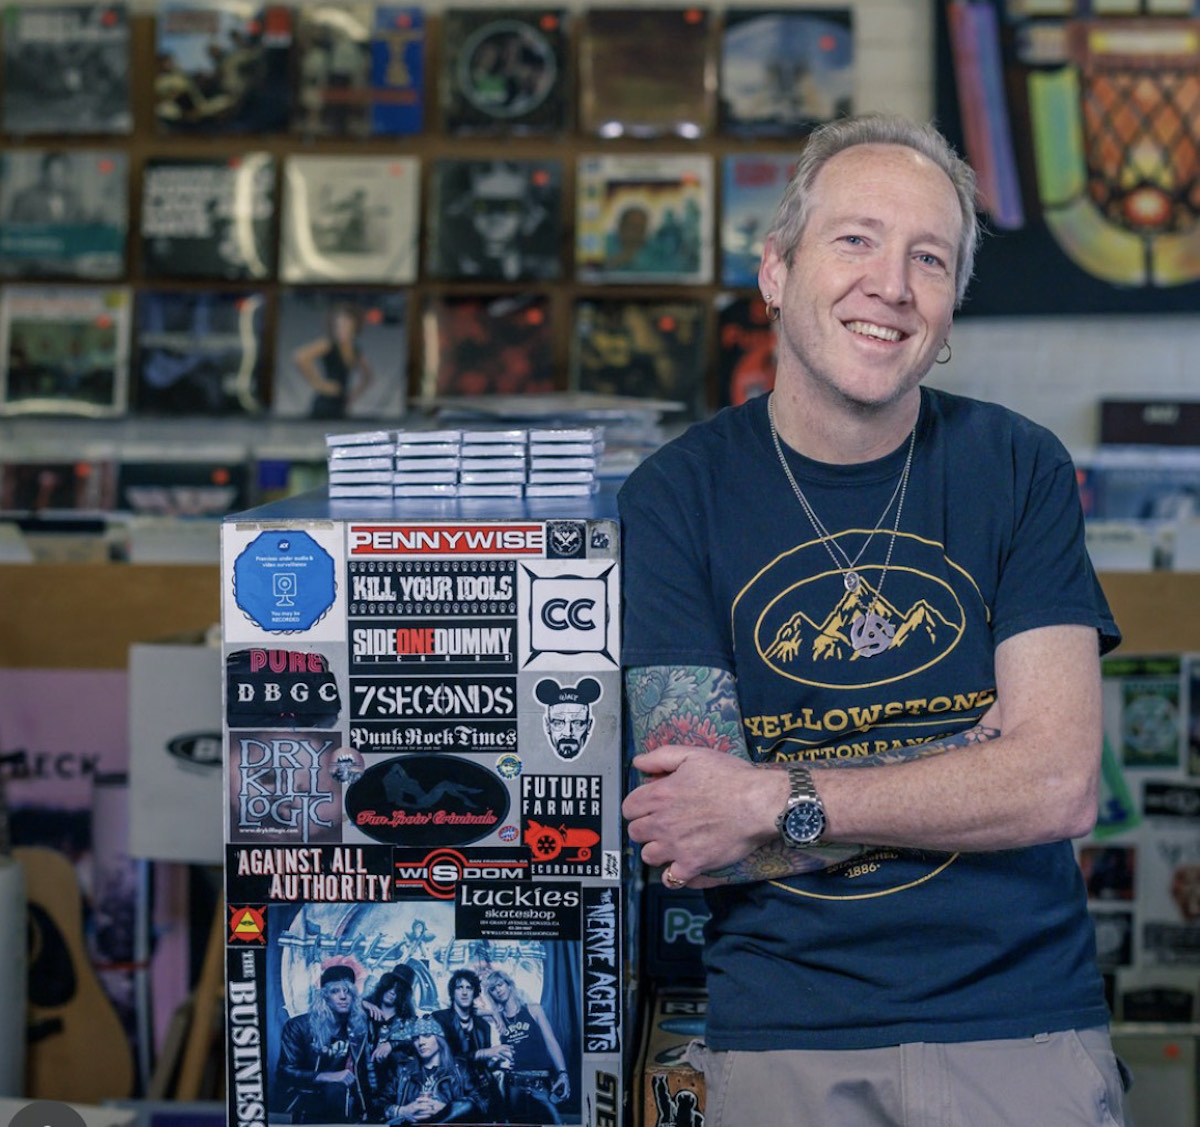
(689, 705)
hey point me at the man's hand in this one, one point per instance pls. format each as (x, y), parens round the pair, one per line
(701, 810)
(342, 1076)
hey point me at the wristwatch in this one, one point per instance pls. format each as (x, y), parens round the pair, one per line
(802, 821)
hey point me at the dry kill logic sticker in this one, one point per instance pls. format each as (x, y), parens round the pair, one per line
(281, 787)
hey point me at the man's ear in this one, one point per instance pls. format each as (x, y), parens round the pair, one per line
(772, 271)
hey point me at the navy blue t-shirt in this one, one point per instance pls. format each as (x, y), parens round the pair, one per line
(723, 568)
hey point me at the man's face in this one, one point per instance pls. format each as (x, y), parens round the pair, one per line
(426, 1046)
(341, 997)
(869, 295)
(568, 726)
(496, 219)
(464, 994)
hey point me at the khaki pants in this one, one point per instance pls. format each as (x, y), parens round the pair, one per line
(1070, 1079)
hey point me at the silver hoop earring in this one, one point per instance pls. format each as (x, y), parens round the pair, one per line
(772, 310)
(949, 353)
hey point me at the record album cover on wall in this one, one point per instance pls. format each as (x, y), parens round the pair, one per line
(331, 72)
(752, 185)
(341, 353)
(505, 70)
(66, 68)
(63, 212)
(398, 70)
(222, 66)
(785, 71)
(499, 220)
(198, 353)
(209, 217)
(350, 219)
(64, 350)
(644, 218)
(642, 348)
(632, 84)
(80, 485)
(475, 345)
(745, 349)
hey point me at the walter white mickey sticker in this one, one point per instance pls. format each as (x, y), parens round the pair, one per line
(568, 717)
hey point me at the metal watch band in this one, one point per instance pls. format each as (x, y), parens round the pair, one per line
(801, 786)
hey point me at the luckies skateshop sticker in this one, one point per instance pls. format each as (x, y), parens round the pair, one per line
(283, 581)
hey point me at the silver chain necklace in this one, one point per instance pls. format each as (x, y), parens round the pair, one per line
(870, 632)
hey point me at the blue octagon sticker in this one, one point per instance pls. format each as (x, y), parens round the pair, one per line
(284, 581)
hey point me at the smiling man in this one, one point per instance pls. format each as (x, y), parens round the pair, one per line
(862, 635)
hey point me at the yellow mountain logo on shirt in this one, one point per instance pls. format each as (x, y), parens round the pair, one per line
(800, 637)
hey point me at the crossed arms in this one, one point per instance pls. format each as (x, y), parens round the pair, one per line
(709, 811)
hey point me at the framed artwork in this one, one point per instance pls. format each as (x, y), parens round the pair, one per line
(1083, 127)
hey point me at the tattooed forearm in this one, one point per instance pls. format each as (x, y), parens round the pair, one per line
(775, 860)
(689, 705)
(906, 754)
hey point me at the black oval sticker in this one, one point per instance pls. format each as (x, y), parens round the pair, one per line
(427, 800)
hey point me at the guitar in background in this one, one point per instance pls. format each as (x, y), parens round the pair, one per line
(76, 1049)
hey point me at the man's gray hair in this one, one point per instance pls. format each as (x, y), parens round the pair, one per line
(876, 129)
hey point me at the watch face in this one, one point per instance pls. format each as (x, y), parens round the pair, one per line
(804, 823)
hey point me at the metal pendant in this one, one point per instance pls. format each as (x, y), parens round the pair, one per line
(870, 634)
(851, 581)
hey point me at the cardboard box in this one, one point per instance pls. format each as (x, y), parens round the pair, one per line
(176, 802)
(670, 1090)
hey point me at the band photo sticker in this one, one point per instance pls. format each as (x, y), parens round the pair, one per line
(282, 581)
(570, 615)
(518, 952)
